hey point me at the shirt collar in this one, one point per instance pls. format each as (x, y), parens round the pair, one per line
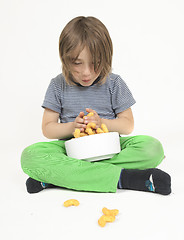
(78, 84)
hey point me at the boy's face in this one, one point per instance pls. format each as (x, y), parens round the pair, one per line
(82, 69)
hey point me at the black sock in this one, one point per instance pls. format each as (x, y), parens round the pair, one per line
(149, 180)
(34, 186)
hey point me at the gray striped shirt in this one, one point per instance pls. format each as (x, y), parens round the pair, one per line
(107, 99)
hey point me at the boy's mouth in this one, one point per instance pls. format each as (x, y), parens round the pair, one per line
(86, 80)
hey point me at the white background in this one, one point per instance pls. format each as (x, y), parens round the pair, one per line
(148, 39)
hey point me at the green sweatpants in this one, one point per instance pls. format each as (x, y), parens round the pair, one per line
(47, 162)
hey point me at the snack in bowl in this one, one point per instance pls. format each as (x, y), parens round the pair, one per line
(90, 130)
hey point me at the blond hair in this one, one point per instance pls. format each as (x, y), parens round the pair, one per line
(91, 32)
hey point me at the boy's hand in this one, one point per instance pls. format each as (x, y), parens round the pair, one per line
(95, 118)
(79, 122)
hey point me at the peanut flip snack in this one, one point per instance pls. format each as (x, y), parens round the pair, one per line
(71, 202)
(109, 216)
(90, 129)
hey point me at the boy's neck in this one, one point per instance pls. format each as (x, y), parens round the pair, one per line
(78, 84)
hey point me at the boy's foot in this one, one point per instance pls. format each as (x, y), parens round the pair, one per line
(149, 180)
(34, 186)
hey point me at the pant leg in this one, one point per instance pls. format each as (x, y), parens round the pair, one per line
(138, 152)
(48, 162)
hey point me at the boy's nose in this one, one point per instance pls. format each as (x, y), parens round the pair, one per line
(87, 70)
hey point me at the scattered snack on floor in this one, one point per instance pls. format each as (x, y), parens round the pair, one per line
(109, 212)
(104, 219)
(109, 216)
(71, 202)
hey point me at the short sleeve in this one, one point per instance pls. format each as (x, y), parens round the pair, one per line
(122, 97)
(52, 98)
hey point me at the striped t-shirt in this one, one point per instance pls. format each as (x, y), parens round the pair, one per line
(107, 99)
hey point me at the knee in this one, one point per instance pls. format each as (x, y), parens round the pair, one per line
(153, 150)
(28, 156)
(25, 157)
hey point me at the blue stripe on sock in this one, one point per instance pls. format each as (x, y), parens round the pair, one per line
(44, 185)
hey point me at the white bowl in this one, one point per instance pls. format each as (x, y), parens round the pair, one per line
(94, 147)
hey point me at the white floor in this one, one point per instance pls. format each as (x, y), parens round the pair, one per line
(43, 216)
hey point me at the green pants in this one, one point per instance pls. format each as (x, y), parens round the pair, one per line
(47, 162)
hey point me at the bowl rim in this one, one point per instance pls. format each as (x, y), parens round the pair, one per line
(92, 136)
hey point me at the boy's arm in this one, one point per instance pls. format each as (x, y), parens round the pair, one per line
(52, 129)
(124, 123)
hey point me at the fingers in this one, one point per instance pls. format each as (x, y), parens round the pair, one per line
(82, 120)
(89, 119)
(95, 118)
(79, 122)
(90, 110)
(81, 114)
